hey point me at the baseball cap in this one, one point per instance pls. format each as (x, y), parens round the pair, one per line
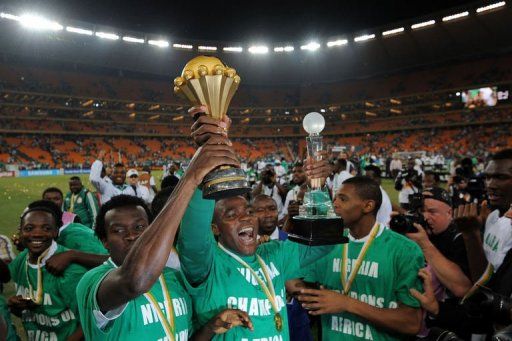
(437, 193)
(132, 172)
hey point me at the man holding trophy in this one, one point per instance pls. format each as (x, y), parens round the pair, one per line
(234, 271)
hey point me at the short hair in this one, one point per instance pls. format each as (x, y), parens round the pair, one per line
(376, 170)
(262, 197)
(52, 190)
(75, 178)
(119, 164)
(169, 181)
(161, 199)
(504, 154)
(436, 176)
(45, 206)
(366, 189)
(118, 201)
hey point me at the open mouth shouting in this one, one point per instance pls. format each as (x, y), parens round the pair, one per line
(246, 235)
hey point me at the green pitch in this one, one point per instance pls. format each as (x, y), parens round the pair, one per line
(17, 193)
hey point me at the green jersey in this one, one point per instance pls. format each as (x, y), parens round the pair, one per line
(137, 319)
(216, 281)
(79, 237)
(84, 204)
(389, 269)
(4, 311)
(57, 317)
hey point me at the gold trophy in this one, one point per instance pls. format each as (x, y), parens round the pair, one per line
(208, 81)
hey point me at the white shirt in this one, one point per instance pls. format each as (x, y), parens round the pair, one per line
(274, 194)
(107, 189)
(395, 165)
(384, 213)
(338, 180)
(497, 238)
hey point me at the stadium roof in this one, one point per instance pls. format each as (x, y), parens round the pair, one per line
(342, 40)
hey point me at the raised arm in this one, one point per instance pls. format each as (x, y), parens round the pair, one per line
(195, 242)
(95, 174)
(146, 259)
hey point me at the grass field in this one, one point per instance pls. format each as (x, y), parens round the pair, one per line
(16, 193)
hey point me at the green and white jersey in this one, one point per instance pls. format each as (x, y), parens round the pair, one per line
(216, 281)
(497, 238)
(57, 317)
(84, 204)
(137, 319)
(389, 269)
(79, 237)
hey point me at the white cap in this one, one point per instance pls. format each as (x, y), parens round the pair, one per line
(131, 172)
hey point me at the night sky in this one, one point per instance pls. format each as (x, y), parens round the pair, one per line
(242, 20)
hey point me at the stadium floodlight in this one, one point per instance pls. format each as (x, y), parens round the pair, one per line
(106, 35)
(9, 16)
(260, 49)
(35, 22)
(207, 48)
(490, 7)
(455, 16)
(339, 42)
(364, 37)
(183, 46)
(311, 46)
(393, 31)
(79, 30)
(233, 49)
(133, 40)
(423, 24)
(287, 48)
(158, 43)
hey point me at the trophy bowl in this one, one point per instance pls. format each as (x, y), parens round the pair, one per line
(207, 81)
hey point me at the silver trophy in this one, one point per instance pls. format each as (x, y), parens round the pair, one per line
(316, 224)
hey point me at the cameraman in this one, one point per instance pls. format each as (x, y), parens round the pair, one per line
(269, 186)
(408, 182)
(444, 248)
(445, 253)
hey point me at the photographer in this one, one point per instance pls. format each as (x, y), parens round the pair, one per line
(269, 186)
(443, 246)
(408, 182)
(445, 253)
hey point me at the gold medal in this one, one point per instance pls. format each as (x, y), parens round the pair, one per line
(278, 320)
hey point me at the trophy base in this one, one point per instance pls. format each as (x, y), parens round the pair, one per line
(316, 231)
(225, 182)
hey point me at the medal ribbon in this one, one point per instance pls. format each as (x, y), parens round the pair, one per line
(486, 276)
(72, 205)
(38, 299)
(346, 284)
(168, 323)
(268, 290)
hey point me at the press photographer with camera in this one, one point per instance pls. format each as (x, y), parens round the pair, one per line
(408, 182)
(446, 276)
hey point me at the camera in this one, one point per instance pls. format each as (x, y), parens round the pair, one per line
(403, 223)
(486, 303)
